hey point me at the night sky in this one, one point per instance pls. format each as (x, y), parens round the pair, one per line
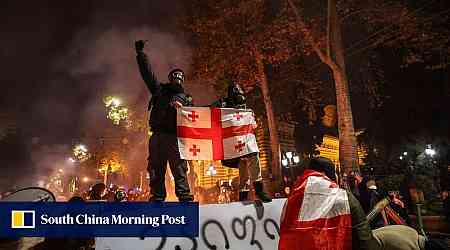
(59, 58)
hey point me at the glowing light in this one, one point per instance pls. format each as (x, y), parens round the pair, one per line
(429, 151)
(111, 101)
(112, 163)
(60, 170)
(296, 159)
(116, 102)
(405, 153)
(116, 112)
(401, 157)
(211, 171)
(289, 155)
(284, 162)
(85, 179)
(80, 153)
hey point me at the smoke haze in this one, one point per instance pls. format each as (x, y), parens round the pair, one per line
(79, 54)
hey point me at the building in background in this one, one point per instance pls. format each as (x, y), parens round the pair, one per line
(210, 173)
(330, 149)
(286, 128)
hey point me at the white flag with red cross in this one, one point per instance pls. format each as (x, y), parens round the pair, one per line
(215, 133)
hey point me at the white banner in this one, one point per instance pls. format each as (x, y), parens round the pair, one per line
(234, 226)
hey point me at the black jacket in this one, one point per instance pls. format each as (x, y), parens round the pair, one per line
(163, 116)
(362, 238)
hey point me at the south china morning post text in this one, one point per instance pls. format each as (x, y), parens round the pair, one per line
(85, 219)
(101, 219)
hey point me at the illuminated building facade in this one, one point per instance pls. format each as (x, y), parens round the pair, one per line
(286, 128)
(330, 149)
(209, 173)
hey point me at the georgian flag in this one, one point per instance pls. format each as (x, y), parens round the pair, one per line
(316, 216)
(215, 133)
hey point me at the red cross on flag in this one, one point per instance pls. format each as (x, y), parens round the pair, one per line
(215, 133)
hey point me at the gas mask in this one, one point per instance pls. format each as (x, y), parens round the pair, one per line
(236, 94)
(176, 76)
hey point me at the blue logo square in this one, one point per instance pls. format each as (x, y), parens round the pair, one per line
(28, 219)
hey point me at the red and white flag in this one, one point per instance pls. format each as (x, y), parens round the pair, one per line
(215, 133)
(316, 216)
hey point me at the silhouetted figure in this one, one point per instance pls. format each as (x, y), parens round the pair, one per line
(163, 145)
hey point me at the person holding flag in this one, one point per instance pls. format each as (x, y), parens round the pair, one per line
(249, 165)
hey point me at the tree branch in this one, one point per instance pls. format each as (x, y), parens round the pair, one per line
(310, 39)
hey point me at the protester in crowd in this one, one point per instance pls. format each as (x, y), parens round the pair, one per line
(399, 207)
(98, 191)
(369, 196)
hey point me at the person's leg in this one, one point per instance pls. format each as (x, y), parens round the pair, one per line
(157, 162)
(178, 167)
(244, 180)
(254, 168)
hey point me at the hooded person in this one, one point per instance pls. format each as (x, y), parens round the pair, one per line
(317, 214)
(163, 145)
(249, 165)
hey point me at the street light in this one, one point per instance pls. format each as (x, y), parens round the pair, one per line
(289, 161)
(429, 151)
(289, 155)
(296, 159)
(290, 158)
(211, 171)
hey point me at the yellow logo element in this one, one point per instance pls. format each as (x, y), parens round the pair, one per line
(22, 219)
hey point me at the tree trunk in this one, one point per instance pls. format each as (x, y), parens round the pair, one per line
(347, 139)
(335, 60)
(273, 131)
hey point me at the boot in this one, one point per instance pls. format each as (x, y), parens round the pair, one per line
(243, 195)
(264, 197)
(156, 199)
(186, 198)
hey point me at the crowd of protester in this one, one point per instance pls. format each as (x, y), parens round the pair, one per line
(390, 226)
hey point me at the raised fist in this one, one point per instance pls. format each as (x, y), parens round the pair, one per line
(139, 45)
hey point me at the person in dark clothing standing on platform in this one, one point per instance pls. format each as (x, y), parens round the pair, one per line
(163, 145)
(249, 165)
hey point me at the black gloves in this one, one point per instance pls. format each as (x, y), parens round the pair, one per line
(139, 45)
